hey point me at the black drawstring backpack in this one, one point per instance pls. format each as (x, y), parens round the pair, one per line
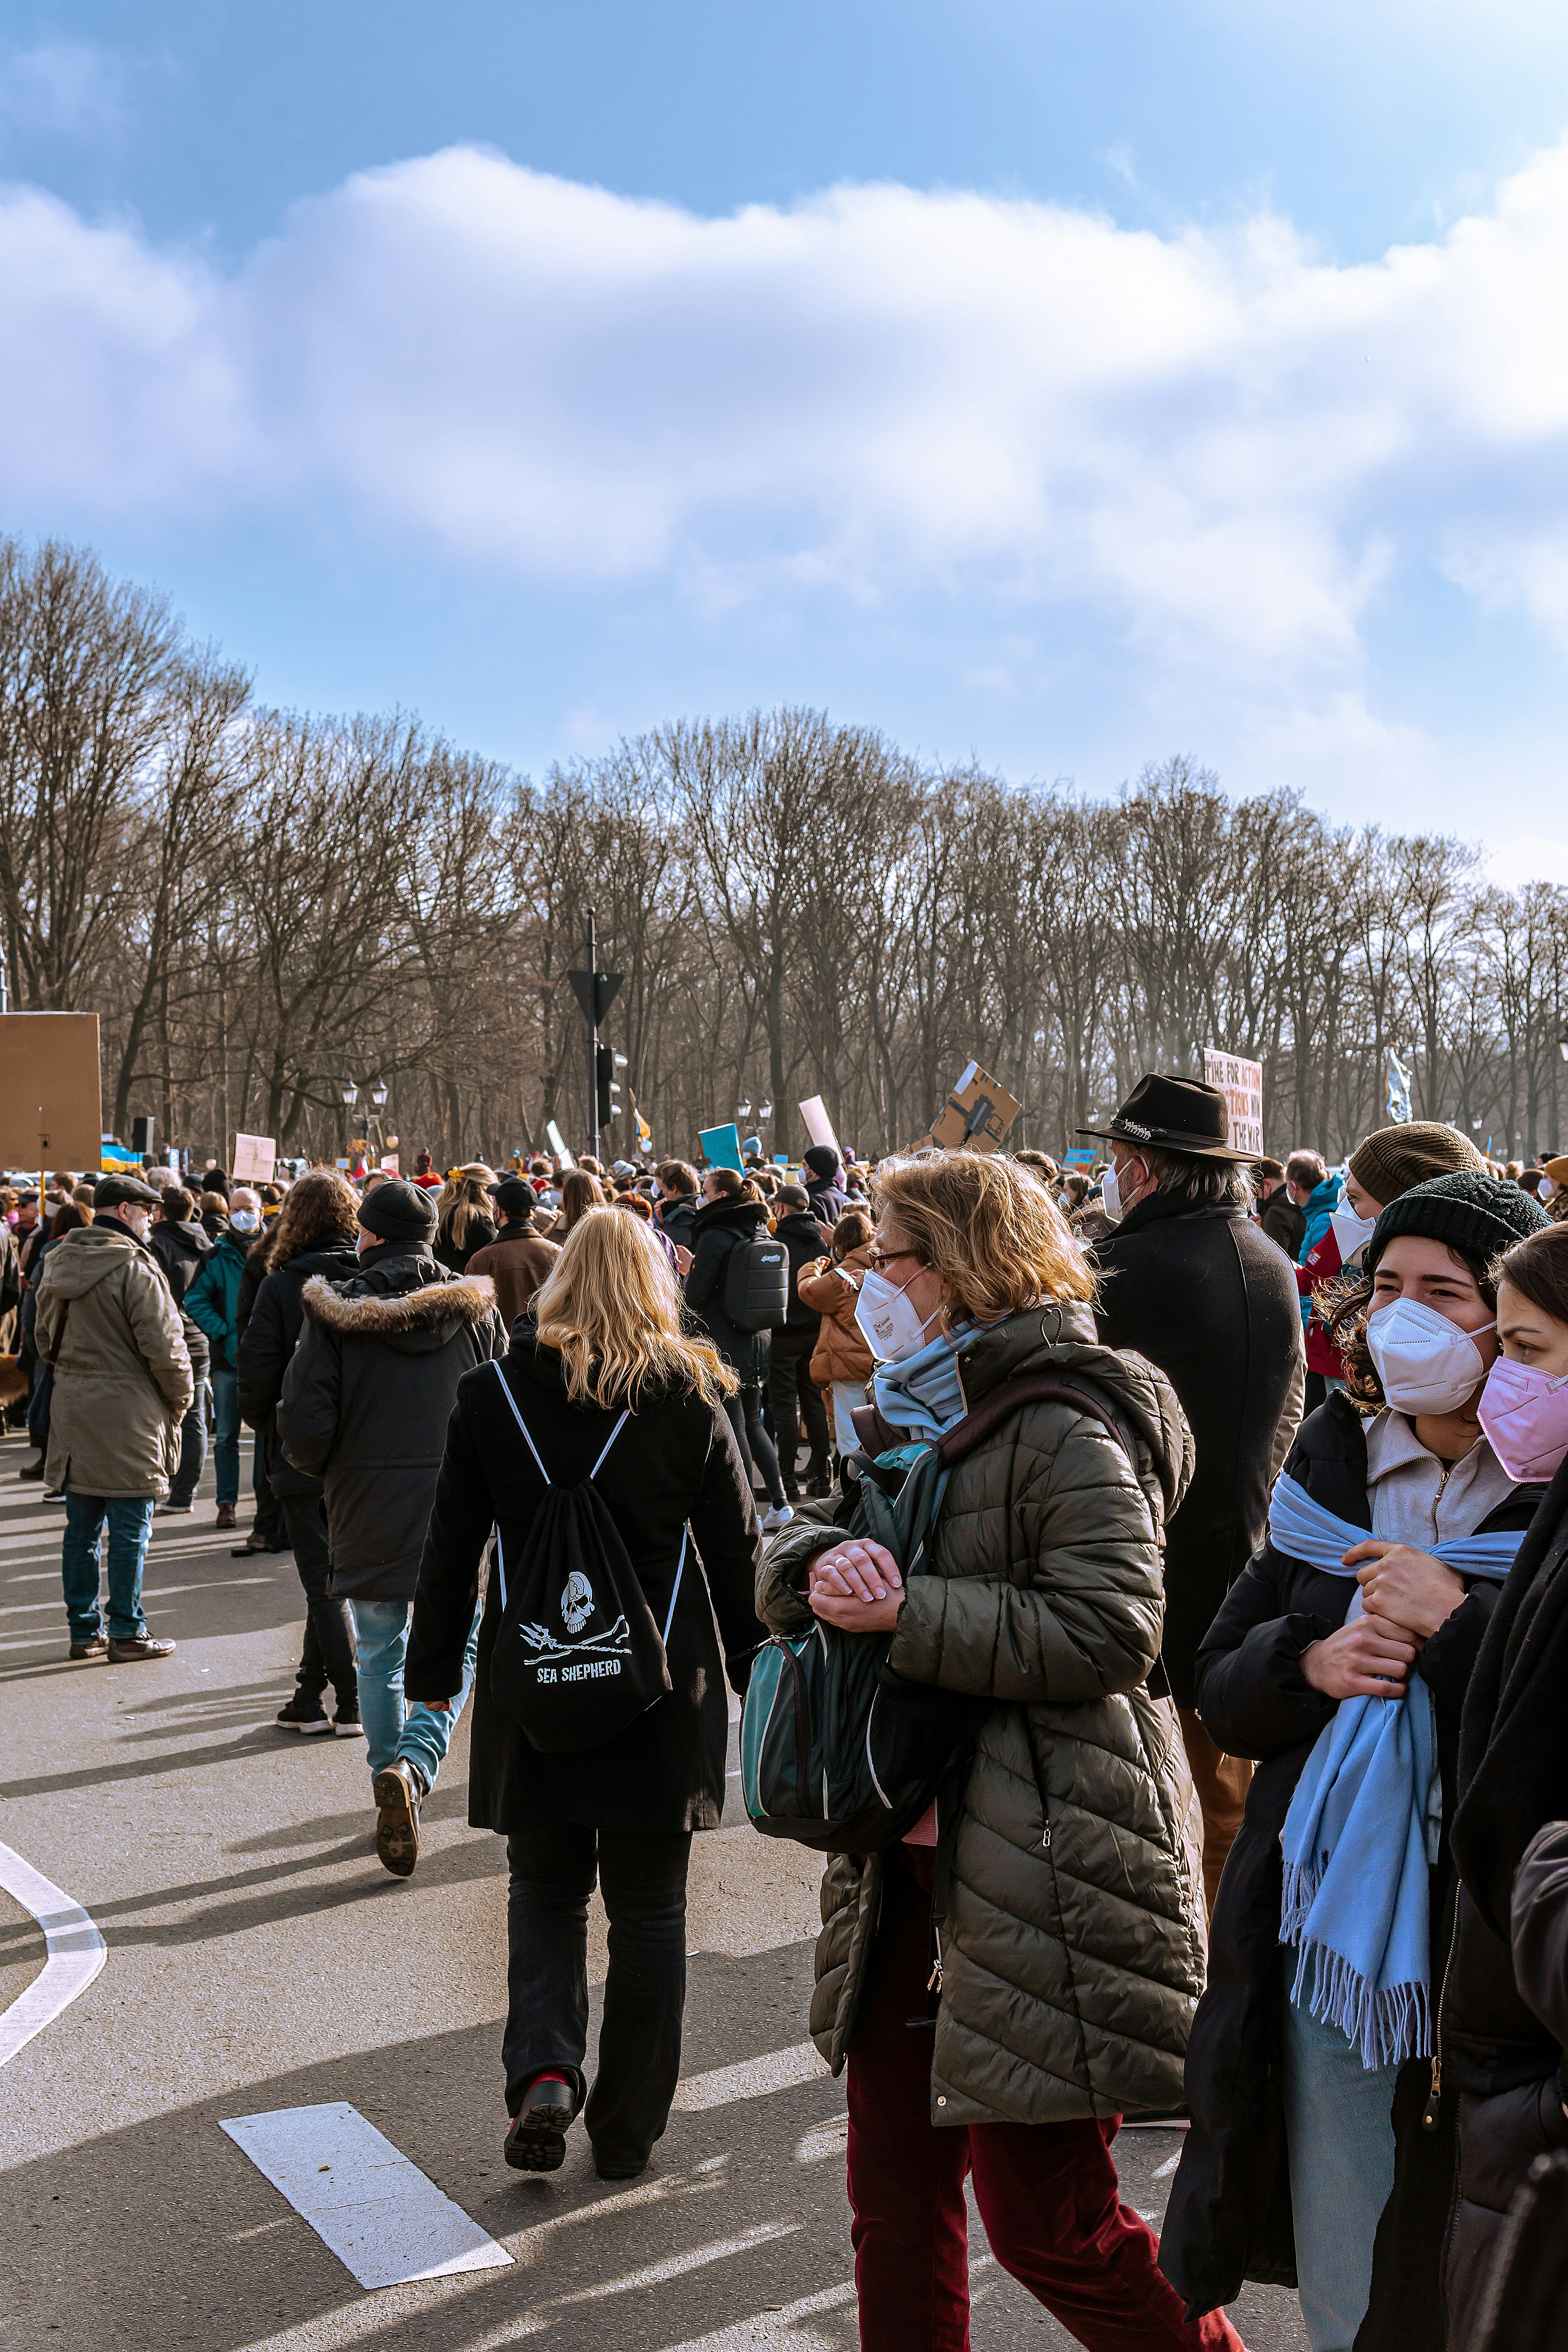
(578, 1653)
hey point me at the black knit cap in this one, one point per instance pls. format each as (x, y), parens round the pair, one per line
(399, 1211)
(1481, 1215)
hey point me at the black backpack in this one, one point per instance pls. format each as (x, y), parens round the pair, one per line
(838, 1751)
(756, 1283)
(578, 1654)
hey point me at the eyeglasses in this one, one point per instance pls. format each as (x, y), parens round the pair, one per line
(880, 1260)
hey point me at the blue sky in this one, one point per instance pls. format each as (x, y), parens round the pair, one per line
(1059, 385)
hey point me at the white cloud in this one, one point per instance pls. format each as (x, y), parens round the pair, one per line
(1219, 445)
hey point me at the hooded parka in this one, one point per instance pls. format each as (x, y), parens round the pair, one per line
(365, 1402)
(123, 1380)
(1073, 1944)
(270, 1337)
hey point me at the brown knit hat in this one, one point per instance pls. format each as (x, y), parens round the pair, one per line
(1392, 1160)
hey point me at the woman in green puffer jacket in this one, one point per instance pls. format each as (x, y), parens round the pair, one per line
(1072, 1953)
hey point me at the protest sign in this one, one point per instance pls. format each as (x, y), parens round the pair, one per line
(721, 1146)
(818, 1125)
(1081, 1156)
(50, 1112)
(1241, 1084)
(556, 1144)
(254, 1158)
(975, 1116)
(389, 1166)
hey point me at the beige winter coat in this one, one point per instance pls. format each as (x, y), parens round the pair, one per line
(122, 1377)
(1074, 1948)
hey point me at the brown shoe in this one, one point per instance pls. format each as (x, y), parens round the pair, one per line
(227, 1515)
(123, 1653)
(93, 1649)
(398, 1792)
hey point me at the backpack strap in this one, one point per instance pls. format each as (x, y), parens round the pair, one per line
(1038, 1388)
(506, 1391)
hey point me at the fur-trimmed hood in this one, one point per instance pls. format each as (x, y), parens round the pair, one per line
(421, 1316)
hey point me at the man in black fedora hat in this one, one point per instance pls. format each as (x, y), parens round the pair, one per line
(1191, 1283)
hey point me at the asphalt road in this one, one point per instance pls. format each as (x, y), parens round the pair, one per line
(260, 1959)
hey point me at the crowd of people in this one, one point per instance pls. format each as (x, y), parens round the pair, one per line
(1244, 1528)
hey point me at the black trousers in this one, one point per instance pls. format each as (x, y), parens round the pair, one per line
(790, 1383)
(328, 1655)
(553, 1866)
(745, 1411)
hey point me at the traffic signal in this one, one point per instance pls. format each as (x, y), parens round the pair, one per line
(609, 1085)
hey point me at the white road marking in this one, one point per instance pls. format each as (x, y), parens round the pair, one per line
(384, 2220)
(76, 1953)
(780, 2070)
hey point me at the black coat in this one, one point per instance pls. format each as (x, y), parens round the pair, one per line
(182, 1251)
(1501, 2051)
(802, 1237)
(479, 1235)
(716, 1228)
(675, 1463)
(829, 1201)
(1283, 1223)
(675, 1217)
(365, 1402)
(1229, 2213)
(269, 1336)
(1204, 1296)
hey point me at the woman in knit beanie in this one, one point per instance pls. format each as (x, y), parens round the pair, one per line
(1379, 1481)
(1388, 1162)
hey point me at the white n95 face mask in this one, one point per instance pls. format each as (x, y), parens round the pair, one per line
(1110, 1195)
(1351, 1232)
(889, 1321)
(1425, 1364)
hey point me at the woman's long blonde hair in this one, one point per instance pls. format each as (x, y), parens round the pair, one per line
(611, 1306)
(988, 1227)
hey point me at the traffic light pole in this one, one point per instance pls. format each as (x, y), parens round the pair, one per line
(593, 1043)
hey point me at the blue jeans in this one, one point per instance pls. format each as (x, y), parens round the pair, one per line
(226, 1438)
(423, 1736)
(129, 1521)
(1339, 2128)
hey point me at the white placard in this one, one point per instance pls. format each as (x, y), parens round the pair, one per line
(818, 1125)
(254, 1158)
(389, 1163)
(1241, 1084)
(557, 1145)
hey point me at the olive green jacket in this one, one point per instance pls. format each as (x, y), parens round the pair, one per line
(122, 1380)
(1073, 1950)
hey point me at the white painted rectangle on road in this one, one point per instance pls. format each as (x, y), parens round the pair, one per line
(384, 2219)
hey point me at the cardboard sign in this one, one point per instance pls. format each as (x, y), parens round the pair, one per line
(818, 1125)
(721, 1147)
(557, 1145)
(974, 1118)
(1241, 1084)
(389, 1163)
(51, 1114)
(255, 1159)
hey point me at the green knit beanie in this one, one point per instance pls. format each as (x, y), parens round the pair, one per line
(1481, 1215)
(1393, 1158)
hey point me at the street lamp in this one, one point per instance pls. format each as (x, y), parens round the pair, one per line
(765, 1111)
(378, 1095)
(744, 1111)
(350, 1093)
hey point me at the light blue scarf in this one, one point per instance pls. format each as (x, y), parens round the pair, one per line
(922, 1394)
(1361, 1835)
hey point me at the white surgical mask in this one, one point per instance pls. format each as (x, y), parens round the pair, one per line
(1110, 1194)
(1548, 1191)
(243, 1220)
(889, 1321)
(1351, 1231)
(1425, 1364)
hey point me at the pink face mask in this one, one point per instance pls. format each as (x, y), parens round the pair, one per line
(1524, 1412)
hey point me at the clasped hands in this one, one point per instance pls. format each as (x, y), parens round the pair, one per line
(855, 1585)
(1406, 1595)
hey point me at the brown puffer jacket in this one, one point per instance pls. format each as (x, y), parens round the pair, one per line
(841, 1353)
(123, 1378)
(1073, 1952)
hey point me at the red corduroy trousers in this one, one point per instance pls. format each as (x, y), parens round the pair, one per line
(1048, 2193)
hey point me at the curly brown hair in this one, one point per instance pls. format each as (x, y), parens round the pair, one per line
(321, 1202)
(1344, 1304)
